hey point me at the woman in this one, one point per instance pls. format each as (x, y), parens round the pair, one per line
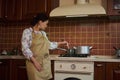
(35, 47)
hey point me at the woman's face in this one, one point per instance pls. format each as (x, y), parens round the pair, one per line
(43, 25)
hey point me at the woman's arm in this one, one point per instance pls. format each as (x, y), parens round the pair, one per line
(63, 43)
(26, 42)
(36, 64)
(54, 45)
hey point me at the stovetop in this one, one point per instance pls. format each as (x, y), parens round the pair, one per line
(73, 55)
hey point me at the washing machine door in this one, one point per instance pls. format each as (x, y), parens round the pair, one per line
(71, 78)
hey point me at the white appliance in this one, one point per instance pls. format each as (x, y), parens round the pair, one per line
(78, 8)
(73, 70)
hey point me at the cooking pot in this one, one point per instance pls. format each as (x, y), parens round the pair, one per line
(70, 51)
(117, 51)
(83, 50)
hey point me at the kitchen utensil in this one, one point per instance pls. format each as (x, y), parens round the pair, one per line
(70, 51)
(62, 49)
(83, 49)
(4, 52)
(117, 51)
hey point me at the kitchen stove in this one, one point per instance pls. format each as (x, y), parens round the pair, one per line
(73, 55)
(73, 70)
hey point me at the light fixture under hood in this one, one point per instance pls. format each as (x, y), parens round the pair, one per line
(80, 8)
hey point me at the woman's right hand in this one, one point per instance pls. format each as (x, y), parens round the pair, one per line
(64, 43)
(36, 64)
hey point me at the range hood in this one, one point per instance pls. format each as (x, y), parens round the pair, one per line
(80, 8)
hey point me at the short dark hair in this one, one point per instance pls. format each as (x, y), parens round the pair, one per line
(40, 16)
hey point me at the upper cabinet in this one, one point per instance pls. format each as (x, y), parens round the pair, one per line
(2, 8)
(13, 10)
(112, 7)
(32, 7)
(51, 4)
(18, 10)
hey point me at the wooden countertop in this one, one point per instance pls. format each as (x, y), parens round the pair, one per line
(94, 58)
(97, 58)
(12, 57)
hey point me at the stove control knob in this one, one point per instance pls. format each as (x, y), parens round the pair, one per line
(73, 66)
(61, 66)
(84, 67)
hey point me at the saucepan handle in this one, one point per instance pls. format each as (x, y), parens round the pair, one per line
(61, 49)
(90, 47)
(115, 48)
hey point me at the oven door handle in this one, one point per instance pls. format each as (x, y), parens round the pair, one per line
(70, 72)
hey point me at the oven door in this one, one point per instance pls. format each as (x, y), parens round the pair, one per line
(73, 76)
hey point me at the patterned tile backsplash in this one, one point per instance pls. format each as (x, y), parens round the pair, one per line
(101, 34)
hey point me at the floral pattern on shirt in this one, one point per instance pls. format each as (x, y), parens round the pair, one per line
(27, 40)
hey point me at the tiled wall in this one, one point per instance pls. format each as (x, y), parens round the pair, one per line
(101, 34)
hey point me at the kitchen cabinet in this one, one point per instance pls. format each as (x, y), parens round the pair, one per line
(113, 71)
(107, 71)
(2, 9)
(99, 71)
(18, 70)
(4, 69)
(32, 7)
(13, 69)
(113, 7)
(51, 4)
(18, 10)
(13, 10)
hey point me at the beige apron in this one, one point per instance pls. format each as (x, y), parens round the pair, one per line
(40, 49)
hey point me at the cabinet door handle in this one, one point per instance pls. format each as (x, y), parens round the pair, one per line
(6, 16)
(117, 72)
(119, 12)
(119, 65)
(1, 62)
(22, 67)
(99, 65)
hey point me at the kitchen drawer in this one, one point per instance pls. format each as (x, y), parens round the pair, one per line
(74, 66)
(4, 62)
(4, 69)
